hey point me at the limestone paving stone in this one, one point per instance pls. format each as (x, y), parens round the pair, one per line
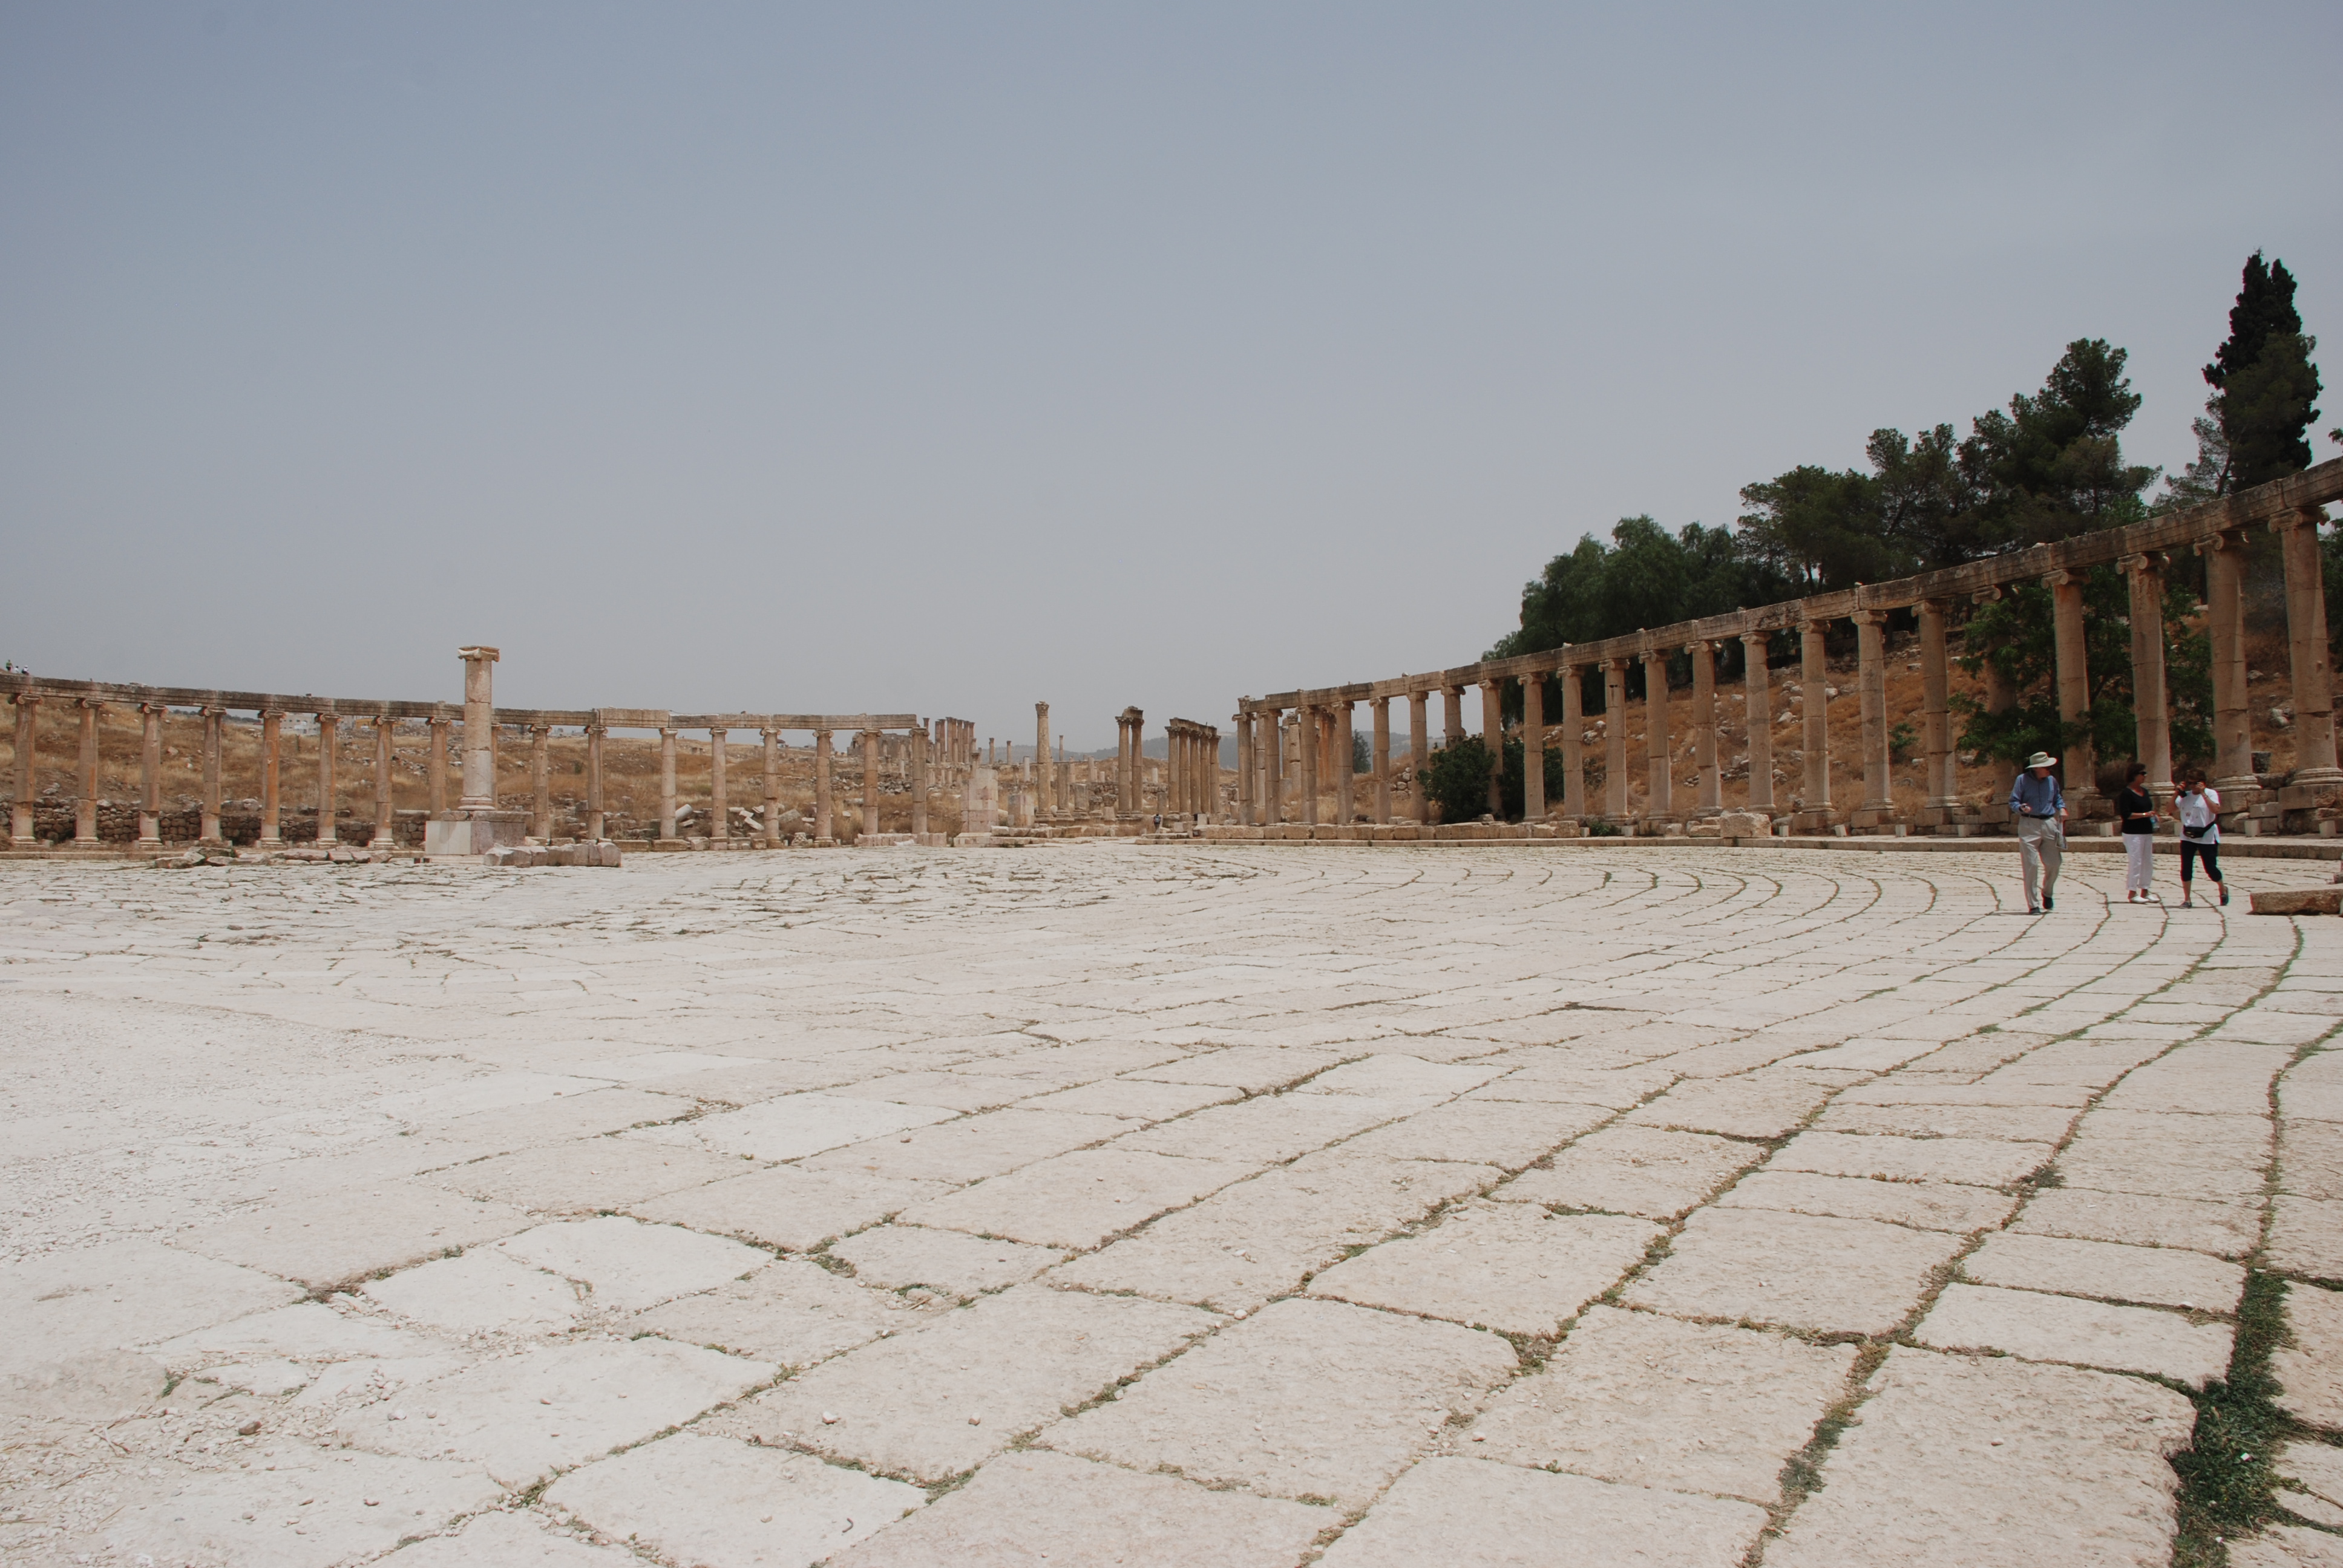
(1547, 1077)
(1468, 1510)
(553, 1407)
(2309, 1368)
(1028, 1507)
(1305, 1399)
(2287, 1546)
(343, 1235)
(585, 1176)
(721, 1503)
(306, 1331)
(2311, 1159)
(1975, 1161)
(2019, 1123)
(963, 1091)
(1638, 1171)
(627, 1265)
(2307, 1238)
(2045, 1328)
(795, 1126)
(1271, 1127)
(482, 1291)
(1797, 1270)
(127, 1292)
(788, 1206)
(971, 1148)
(1986, 1459)
(1652, 1401)
(1255, 1068)
(1508, 1134)
(509, 1541)
(1395, 1076)
(1925, 1205)
(1012, 1362)
(1079, 1199)
(891, 1257)
(2315, 1468)
(1764, 1104)
(2224, 1228)
(2162, 1276)
(794, 1312)
(1511, 1267)
(1135, 1099)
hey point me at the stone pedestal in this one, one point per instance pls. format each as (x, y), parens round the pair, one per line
(473, 832)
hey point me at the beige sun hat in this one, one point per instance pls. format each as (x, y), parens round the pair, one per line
(2042, 759)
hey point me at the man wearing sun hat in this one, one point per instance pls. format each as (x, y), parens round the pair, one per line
(2040, 808)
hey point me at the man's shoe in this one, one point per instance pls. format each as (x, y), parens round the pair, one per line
(2225, 895)
(2046, 905)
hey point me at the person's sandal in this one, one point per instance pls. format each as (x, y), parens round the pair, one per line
(2225, 895)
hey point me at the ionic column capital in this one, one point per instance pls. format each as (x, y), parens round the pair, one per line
(1756, 637)
(1869, 617)
(2226, 541)
(2062, 578)
(2149, 563)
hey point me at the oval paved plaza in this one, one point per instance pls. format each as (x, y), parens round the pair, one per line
(1516, 1204)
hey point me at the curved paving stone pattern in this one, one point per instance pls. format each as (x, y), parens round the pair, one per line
(1149, 1205)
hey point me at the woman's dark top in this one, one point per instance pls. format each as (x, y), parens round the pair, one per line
(2137, 810)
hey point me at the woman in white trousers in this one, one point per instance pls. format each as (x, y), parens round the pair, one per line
(2137, 809)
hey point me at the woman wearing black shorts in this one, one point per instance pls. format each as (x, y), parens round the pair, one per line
(2200, 835)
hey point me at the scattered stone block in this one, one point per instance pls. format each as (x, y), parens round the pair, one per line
(2298, 901)
(1925, 1205)
(2163, 1276)
(893, 1257)
(627, 1265)
(2047, 1328)
(1797, 1270)
(1306, 1399)
(2309, 1371)
(794, 1312)
(1650, 1401)
(1077, 1201)
(710, 1500)
(1636, 1170)
(1511, 1267)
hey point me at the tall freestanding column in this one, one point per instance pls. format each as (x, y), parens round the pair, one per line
(1871, 681)
(328, 818)
(821, 802)
(2081, 768)
(1572, 679)
(1660, 804)
(772, 758)
(385, 758)
(720, 799)
(207, 831)
(1813, 708)
(150, 777)
(1703, 725)
(2151, 705)
(1493, 736)
(1614, 738)
(871, 773)
(540, 782)
(1533, 745)
(1042, 797)
(1758, 703)
(667, 839)
(596, 828)
(272, 742)
(1382, 722)
(85, 803)
(1936, 710)
(20, 819)
(2233, 739)
(1419, 751)
(479, 719)
(2306, 631)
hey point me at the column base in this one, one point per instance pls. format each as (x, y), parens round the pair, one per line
(148, 846)
(469, 833)
(1817, 820)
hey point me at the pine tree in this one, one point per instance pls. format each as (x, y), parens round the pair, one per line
(2265, 392)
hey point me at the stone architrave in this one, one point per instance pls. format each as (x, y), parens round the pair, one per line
(476, 826)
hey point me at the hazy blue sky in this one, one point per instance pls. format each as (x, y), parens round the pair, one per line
(874, 356)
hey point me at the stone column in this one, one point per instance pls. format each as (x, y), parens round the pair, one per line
(1572, 679)
(2306, 631)
(1814, 710)
(328, 814)
(1269, 747)
(2233, 739)
(2000, 694)
(1758, 693)
(1308, 723)
(1042, 801)
(919, 739)
(1493, 736)
(85, 803)
(1614, 738)
(772, 757)
(150, 777)
(1452, 715)
(871, 773)
(1382, 742)
(1338, 746)
(435, 768)
(2081, 768)
(386, 756)
(1703, 727)
(540, 782)
(1935, 711)
(1661, 803)
(2151, 705)
(1418, 749)
(272, 738)
(479, 720)
(1534, 747)
(1871, 685)
(667, 838)
(20, 822)
(596, 828)
(209, 832)
(720, 801)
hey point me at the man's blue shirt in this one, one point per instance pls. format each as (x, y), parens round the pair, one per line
(2032, 796)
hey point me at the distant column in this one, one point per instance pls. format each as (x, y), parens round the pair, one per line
(540, 782)
(385, 758)
(1382, 742)
(1309, 722)
(596, 827)
(85, 803)
(1248, 778)
(2233, 738)
(871, 773)
(821, 822)
(208, 831)
(2074, 678)
(1936, 707)
(1418, 749)
(2144, 576)
(1614, 738)
(719, 799)
(150, 777)
(1759, 701)
(1042, 801)
(2306, 630)
(667, 788)
(918, 740)
(1533, 745)
(1574, 739)
(434, 768)
(480, 721)
(1269, 745)
(1813, 703)
(1871, 683)
(20, 821)
(772, 738)
(328, 814)
(1493, 736)
(1703, 725)
(1661, 803)
(272, 742)
(1452, 715)
(1346, 774)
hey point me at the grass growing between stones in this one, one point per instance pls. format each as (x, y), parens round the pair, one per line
(2226, 1478)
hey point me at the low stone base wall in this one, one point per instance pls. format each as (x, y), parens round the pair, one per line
(525, 856)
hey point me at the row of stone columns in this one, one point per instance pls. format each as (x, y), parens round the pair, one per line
(1192, 768)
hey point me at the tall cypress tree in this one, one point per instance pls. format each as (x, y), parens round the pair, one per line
(2265, 389)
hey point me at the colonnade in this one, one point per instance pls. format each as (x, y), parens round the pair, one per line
(1191, 771)
(2291, 508)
